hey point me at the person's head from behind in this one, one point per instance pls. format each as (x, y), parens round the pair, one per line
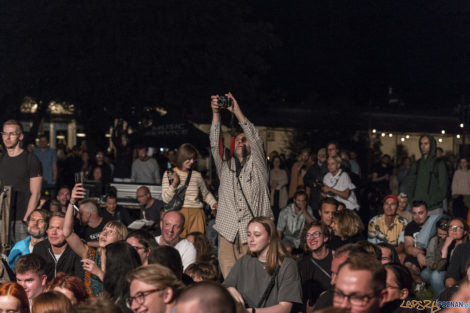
(264, 243)
(328, 206)
(202, 272)
(186, 156)
(360, 285)
(389, 254)
(172, 226)
(153, 288)
(12, 134)
(419, 212)
(71, 286)
(30, 275)
(168, 257)
(98, 305)
(143, 242)
(346, 224)
(315, 236)
(204, 249)
(372, 249)
(399, 282)
(206, 297)
(51, 302)
(13, 298)
(112, 231)
(121, 258)
(37, 223)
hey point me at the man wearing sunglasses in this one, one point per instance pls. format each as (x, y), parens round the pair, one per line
(22, 171)
(153, 289)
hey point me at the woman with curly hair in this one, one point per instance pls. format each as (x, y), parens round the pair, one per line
(347, 227)
(265, 277)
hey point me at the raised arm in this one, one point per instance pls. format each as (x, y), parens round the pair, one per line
(75, 243)
(215, 133)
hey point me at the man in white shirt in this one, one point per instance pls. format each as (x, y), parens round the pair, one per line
(171, 224)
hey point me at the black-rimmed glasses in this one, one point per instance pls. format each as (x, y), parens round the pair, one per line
(140, 297)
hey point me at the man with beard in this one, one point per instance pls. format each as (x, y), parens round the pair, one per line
(56, 252)
(243, 190)
(145, 169)
(37, 225)
(416, 255)
(172, 226)
(315, 267)
(22, 171)
(63, 196)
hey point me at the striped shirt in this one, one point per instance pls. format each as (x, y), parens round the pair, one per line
(196, 187)
(233, 213)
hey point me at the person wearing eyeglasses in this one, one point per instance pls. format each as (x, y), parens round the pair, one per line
(153, 289)
(360, 285)
(22, 171)
(315, 267)
(435, 272)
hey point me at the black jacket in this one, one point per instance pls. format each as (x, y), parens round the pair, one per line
(69, 262)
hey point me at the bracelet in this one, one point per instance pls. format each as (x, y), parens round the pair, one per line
(253, 310)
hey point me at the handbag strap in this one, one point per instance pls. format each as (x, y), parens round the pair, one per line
(270, 286)
(186, 183)
(320, 268)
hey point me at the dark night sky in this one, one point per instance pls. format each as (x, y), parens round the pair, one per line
(118, 56)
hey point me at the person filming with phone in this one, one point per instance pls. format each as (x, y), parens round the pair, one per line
(243, 190)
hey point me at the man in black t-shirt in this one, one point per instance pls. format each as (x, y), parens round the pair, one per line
(150, 208)
(22, 171)
(415, 258)
(91, 222)
(315, 267)
(114, 212)
(381, 175)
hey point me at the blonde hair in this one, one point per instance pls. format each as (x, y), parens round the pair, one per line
(157, 275)
(121, 229)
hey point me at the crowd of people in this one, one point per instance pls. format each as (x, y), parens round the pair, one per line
(319, 235)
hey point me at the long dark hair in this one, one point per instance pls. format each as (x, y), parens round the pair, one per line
(121, 258)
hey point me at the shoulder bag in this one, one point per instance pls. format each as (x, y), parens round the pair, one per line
(176, 203)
